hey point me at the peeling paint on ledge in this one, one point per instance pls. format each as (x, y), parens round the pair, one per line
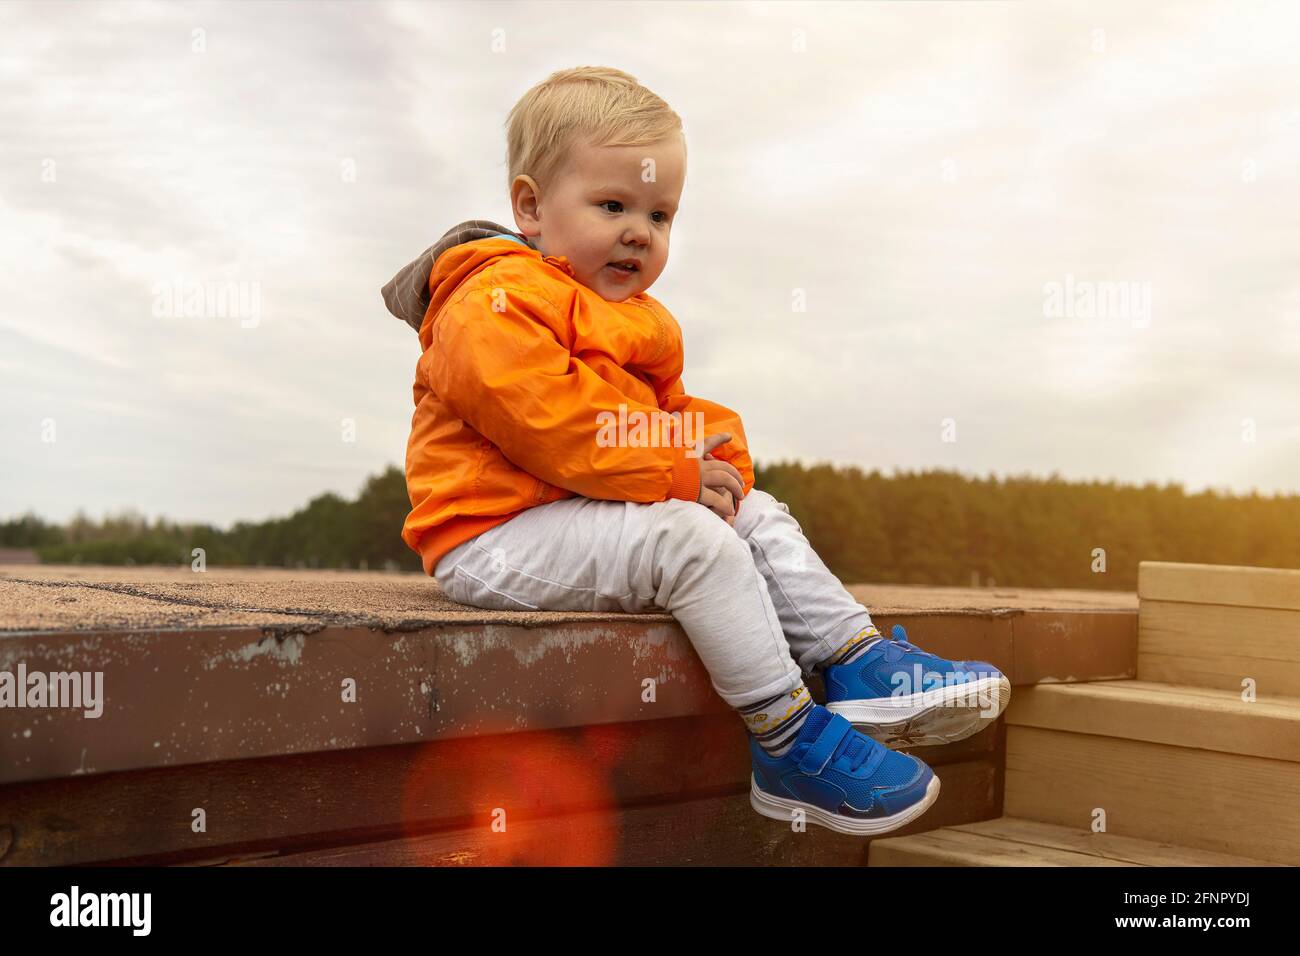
(650, 641)
(287, 651)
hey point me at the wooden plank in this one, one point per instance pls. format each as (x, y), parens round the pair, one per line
(1219, 584)
(177, 698)
(1218, 646)
(1054, 647)
(1186, 717)
(370, 793)
(712, 831)
(953, 847)
(1226, 803)
(382, 792)
(1176, 691)
(1108, 845)
(1031, 646)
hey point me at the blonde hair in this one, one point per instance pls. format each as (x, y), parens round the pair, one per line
(596, 103)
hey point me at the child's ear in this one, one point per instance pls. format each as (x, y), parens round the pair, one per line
(525, 199)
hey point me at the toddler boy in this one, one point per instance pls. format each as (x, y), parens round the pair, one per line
(534, 344)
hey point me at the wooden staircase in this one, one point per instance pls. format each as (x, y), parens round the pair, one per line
(1196, 762)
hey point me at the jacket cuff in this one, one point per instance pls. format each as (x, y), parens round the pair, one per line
(686, 476)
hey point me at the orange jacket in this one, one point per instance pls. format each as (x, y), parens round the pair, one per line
(519, 359)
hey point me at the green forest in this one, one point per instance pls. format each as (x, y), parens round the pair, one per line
(928, 527)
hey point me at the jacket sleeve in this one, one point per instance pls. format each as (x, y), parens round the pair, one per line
(509, 375)
(717, 418)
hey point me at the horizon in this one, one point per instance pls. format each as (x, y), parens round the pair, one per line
(130, 512)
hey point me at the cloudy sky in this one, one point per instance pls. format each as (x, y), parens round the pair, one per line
(957, 194)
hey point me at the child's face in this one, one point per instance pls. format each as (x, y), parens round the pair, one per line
(599, 209)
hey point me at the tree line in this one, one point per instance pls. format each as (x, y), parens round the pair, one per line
(933, 527)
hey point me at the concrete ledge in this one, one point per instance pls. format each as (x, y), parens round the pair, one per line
(247, 664)
(97, 598)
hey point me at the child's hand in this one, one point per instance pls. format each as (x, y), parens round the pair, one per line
(731, 519)
(721, 485)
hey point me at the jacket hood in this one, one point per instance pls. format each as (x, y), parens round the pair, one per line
(408, 294)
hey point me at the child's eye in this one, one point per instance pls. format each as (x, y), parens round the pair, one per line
(615, 202)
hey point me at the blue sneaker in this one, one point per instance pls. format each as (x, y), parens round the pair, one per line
(840, 779)
(903, 696)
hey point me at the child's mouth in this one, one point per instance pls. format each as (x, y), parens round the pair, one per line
(621, 269)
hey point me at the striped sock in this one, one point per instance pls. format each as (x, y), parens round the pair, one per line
(854, 647)
(776, 722)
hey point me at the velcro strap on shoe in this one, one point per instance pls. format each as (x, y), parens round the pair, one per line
(836, 729)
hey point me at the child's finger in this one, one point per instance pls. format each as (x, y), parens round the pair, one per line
(732, 470)
(719, 487)
(724, 480)
(718, 503)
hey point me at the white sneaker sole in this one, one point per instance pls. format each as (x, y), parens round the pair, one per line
(782, 808)
(939, 716)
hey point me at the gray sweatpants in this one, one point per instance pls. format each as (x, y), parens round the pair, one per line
(755, 600)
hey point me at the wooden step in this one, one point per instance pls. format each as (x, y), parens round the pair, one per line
(1173, 792)
(1218, 626)
(1198, 717)
(1009, 841)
